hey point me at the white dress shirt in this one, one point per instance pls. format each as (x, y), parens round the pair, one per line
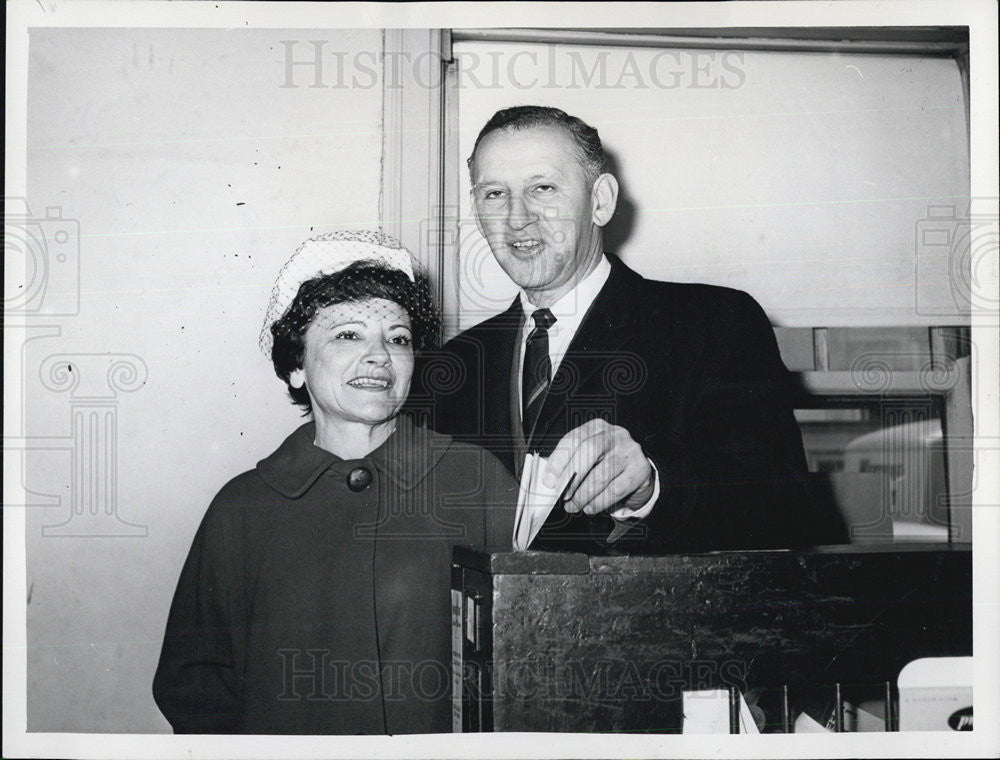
(569, 312)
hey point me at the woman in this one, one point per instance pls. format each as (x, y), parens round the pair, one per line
(315, 598)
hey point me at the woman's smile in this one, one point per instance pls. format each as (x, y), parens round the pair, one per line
(371, 383)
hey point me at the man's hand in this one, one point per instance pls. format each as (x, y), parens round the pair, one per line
(611, 469)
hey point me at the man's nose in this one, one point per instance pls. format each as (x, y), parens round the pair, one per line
(519, 214)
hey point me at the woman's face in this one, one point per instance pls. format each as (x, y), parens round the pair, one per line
(358, 361)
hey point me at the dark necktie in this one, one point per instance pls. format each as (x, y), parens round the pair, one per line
(537, 373)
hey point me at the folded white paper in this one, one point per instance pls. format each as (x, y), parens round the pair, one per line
(535, 501)
(806, 724)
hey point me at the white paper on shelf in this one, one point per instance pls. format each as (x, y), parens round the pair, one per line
(706, 711)
(935, 694)
(806, 724)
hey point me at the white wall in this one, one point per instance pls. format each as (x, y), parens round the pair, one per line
(802, 178)
(152, 139)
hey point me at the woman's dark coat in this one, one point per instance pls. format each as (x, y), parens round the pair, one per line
(308, 607)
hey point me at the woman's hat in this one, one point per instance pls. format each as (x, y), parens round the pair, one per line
(327, 254)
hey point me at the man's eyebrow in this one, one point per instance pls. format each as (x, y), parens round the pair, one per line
(533, 178)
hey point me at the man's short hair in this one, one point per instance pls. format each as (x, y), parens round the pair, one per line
(588, 142)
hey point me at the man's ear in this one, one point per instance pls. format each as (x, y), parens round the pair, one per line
(297, 378)
(604, 199)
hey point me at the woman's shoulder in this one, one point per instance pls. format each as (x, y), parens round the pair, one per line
(246, 487)
(422, 450)
(455, 450)
(280, 471)
(466, 461)
(228, 511)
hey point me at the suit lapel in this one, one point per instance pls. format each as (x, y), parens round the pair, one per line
(499, 359)
(501, 341)
(519, 444)
(594, 355)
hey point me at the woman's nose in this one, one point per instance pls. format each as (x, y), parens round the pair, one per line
(376, 352)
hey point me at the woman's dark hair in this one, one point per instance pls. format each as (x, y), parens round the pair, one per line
(358, 281)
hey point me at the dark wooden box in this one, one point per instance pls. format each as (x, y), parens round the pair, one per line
(565, 642)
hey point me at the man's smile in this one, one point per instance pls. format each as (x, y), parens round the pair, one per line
(527, 246)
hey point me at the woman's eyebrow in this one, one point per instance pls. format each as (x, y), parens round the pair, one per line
(331, 324)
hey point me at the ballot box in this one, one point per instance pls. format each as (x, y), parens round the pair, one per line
(565, 642)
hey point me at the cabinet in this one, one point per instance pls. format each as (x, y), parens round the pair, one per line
(565, 642)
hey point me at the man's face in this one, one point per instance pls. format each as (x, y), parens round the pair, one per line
(534, 206)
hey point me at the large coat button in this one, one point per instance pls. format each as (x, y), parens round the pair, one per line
(359, 479)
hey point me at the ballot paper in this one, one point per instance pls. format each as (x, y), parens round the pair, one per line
(535, 500)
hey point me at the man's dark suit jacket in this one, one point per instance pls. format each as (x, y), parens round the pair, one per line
(692, 372)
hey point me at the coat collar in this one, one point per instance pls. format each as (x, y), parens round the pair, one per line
(405, 458)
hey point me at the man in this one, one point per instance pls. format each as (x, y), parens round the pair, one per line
(666, 403)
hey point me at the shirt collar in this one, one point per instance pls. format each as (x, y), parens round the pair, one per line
(405, 458)
(570, 309)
